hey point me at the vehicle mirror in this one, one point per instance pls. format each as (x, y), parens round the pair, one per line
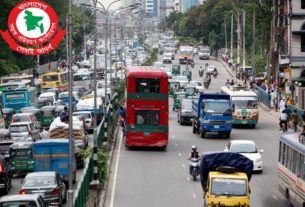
(261, 151)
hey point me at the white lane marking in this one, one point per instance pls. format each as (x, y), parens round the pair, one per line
(116, 172)
(183, 165)
(173, 136)
(170, 130)
(274, 197)
(194, 195)
(188, 179)
(176, 144)
(179, 154)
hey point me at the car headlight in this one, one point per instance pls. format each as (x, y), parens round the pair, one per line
(258, 160)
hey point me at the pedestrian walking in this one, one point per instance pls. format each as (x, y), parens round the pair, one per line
(282, 104)
(123, 127)
(294, 120)
(272, 97)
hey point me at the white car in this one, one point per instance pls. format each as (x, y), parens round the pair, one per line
(168, 71)
(167, 58)
(182, 80)
(249, 149)
(210, 69)
(197, 84)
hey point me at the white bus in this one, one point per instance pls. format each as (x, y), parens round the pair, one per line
(291, 169)
(244, 104)
(83, 78)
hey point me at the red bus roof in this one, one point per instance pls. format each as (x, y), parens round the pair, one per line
(145, 72)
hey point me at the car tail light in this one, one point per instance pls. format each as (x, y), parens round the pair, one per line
(30, 133)
(11, 121)
(1, 169)
(55, 191)
(22, 192)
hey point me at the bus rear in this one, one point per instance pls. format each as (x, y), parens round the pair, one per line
(146, 107)
(55, 80)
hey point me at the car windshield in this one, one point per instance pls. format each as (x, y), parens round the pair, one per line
(39, 181)
(195, 84)
(244, 148)
(85, 115)
(20, 128)
(20, 118)
(186, 104)
(18, 204)
(228, 187)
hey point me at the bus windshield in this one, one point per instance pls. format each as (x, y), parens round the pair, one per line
(229, 187)
(48, 78)
(244, 102)
(146, 85)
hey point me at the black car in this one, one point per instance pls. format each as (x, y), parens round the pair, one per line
(185, 112)
(5, 177)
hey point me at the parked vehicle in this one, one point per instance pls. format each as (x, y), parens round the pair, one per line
(31, 200)
(24, 131)
(213, 114)
(21, 157)
(249, 149)
(48, 184)
(185, 112)
(53, 155)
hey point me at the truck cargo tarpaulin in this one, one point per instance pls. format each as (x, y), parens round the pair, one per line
(212, 161)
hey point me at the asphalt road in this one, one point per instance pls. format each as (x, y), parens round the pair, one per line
(17, 179)
(153, 178)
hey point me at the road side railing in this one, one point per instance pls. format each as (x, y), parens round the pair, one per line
(81, 193)
(262, 95)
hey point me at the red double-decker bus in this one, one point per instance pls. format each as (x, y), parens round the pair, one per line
(146, 107)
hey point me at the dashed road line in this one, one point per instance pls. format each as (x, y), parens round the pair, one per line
(179, 154)
(188, 179)
(176, 144)
(183, 165)
(194, 195)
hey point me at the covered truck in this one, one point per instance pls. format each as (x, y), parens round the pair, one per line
(225, 179)
(213, 114)
(86, 103)
(60, 129)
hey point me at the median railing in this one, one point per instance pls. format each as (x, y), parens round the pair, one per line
(83, 186)
(262, 95)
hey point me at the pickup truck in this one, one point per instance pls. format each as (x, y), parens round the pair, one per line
(225, 178)
(213, 114)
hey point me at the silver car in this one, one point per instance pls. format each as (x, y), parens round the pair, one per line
(24, 131)
(49, 185)
(22, 200)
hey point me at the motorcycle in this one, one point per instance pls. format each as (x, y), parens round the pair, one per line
(194, 168)
(192, 64)
(215, 73)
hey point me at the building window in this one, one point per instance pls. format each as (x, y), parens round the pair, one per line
(302, 4)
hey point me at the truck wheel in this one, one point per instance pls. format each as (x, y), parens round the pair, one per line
(202, 134)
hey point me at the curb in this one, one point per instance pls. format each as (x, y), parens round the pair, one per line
(104, 192)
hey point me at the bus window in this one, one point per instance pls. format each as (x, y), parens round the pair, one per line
(144, 85)
(144, 117)
(63, 78)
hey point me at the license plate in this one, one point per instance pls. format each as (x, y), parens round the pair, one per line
(244, 122)
(216, 127)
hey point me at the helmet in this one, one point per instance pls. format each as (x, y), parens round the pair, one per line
(194, 147)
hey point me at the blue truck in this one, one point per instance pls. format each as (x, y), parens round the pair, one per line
(53, 155)
(213, 114)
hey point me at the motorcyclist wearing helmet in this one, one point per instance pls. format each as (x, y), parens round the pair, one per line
(193, 154)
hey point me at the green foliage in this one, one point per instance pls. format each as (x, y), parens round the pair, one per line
(101, 162)
(153, 56)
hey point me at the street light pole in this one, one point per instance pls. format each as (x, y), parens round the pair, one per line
(70, 190)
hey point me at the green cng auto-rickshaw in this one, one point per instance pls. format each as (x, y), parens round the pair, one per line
(173, 87)
(178, 96)
(48, 115)
(188, 74)
(21, 157)
(7, 115)
(176, 69)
